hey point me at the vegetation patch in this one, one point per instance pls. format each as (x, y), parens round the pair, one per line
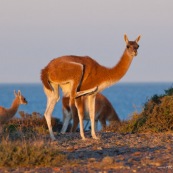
(24, 142)
(157, 116)
(29, 154)
(29, 126)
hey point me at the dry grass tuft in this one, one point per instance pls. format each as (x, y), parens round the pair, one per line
(23, 143)
(29, 126)
(29, 154)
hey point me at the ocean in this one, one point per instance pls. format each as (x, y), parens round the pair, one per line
(126, 98)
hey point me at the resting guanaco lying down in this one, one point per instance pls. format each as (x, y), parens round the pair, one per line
(104, 111)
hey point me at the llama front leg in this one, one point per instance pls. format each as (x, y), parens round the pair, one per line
(91, 106)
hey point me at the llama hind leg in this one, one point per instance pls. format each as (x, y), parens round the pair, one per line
(52, 98)
(48, 115)
(66, 120)
(74, 114)
(75, 122)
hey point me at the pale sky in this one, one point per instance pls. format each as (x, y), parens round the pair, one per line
(33, 32)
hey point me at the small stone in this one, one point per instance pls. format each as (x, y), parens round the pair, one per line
(130, 160)
(81, 155)
(120, 158)
(155, 163)
(99, 148)
(107, 160)
(169, 147)
(91, 159)
(56, 169)
(100, 152)
(76, 147)
(70, 149)
(118, 165)
(136, 153)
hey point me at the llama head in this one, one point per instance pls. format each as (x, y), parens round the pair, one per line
(21, 98)
(132, 46)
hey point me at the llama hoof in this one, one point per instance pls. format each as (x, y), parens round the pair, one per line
(54, 142)
(53, 139)
(97, 138)
(84, 139)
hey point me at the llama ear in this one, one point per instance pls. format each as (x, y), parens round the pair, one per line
(139, 37)
(15, 94)
(19, 93)
(126, 38)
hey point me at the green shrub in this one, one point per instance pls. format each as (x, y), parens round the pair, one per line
(157, 116)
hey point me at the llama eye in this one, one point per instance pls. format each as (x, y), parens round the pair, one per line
(128, 46)
(136, 47)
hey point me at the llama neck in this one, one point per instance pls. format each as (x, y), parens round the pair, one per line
(119, 70)
(14, 107)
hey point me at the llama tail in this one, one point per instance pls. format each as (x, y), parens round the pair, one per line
(45, 79)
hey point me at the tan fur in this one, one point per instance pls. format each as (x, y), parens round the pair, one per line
(104, 111)
(83, 75)
(7, 113)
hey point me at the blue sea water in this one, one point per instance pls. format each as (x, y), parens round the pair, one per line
(126, 98)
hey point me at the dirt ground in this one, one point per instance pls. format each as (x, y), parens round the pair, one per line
(113, 152)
